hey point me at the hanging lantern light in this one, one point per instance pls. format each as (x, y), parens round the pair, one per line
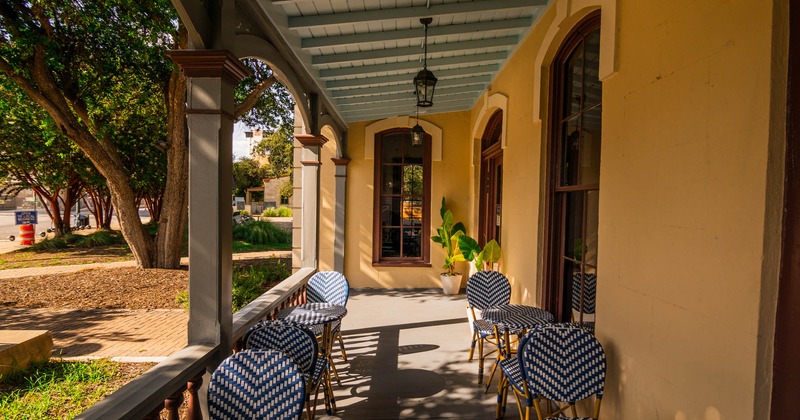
(425, 81)
(417, 133)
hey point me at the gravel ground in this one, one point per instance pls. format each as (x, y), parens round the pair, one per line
(119, 288)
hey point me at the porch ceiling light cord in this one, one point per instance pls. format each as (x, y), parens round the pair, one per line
(425, 81)
(417, 133)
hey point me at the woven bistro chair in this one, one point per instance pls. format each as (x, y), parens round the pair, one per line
(484, 290)
(260, 384)
(557, 365)
(330, 287)
(586, 304)
(299, 344)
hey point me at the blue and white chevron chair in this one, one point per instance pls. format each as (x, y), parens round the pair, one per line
(485, 289)
(256, 384)
(299, 344)
(557, 365)
(330, 287)
(585, 304)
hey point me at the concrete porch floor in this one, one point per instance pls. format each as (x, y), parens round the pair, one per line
(407, 359)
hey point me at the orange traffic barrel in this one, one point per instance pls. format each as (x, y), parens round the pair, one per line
(26, 234)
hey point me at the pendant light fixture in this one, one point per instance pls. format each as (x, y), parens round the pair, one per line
(417, 133)
(425, 81)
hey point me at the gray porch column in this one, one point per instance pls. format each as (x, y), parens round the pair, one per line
(339, 213)
(309, 230)
(212, 76)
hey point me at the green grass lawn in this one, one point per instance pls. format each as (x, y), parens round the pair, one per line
(59, 389)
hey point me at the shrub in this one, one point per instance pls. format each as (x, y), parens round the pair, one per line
(99, 238)
(279, 212)
(244, 213)
(249, 282)
(261, 232)
(50, 244)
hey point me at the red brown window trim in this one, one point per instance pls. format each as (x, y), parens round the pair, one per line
(378, 259)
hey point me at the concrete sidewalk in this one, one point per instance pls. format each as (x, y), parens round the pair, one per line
(122, 335)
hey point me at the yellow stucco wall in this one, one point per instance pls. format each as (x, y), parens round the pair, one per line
(683, 225)
(449, 178)
(689, 197)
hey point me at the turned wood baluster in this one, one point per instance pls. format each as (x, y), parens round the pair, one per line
(173, 403)
(193, 404)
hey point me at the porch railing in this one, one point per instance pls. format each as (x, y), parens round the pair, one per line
(162, 387)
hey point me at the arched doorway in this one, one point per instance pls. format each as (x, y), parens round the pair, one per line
(491, 181)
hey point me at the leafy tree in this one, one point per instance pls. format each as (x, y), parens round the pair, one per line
(277, 147)
(99, 71)
(247, 173)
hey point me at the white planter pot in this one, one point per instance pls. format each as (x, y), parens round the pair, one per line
(451, 284)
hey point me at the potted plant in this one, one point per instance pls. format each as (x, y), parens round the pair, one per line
(448, 235)
(482, 259)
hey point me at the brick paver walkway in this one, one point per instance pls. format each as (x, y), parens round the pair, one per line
(126, 335)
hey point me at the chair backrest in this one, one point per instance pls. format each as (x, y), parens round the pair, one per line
(256, 384)
(563, 362)
(589, 284)
(295, 341)
(328, 286)
(488, 288)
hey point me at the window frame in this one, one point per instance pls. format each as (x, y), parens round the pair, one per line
(556, 295)
(377, 259)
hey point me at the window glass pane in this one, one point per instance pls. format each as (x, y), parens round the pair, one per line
(591, 82)
(392, 179)
(390, 211)
(392, 148)
(573, 226)
(412, 243)
(573, 78)
(390, 242)
(590, 241)
(412, 212)
(570, 152)
(412, 180)
(590, 146)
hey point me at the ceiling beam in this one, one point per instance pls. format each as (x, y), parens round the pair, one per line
(380, 102)
(408, 76)
(409, 87)
(416, 51)
(380, 113)
(413, 12)
(440, 93)
(493, 57)
(433, 32)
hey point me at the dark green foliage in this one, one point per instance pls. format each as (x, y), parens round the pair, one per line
(247, 173)
(99, 238)
(250, 282)
(50, 244)
(261, 232)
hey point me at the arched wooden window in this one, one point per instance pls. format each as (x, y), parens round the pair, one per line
(491, 179)
(401, 228)
(574, 176)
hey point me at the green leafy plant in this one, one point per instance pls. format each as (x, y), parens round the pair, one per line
(261, 232)
(449, 232)
(50, 244)
(481, 258)
(279, 212)
(99, 238)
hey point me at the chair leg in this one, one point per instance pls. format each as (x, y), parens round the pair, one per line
(341, 345)
(472, 345)
(333, 369)
(481, 358)
(501, 388)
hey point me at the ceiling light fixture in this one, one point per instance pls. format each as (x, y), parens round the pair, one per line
(417, 133)
(425, 81)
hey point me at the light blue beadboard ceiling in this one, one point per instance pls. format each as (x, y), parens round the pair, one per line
(365, 53)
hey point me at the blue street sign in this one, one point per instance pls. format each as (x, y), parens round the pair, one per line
(24, 217)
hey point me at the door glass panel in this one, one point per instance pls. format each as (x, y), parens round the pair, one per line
(412, 212)
(573, 80)
(414, 154)
(390, 242)
(590, 235)
(412, 180)
(590, 146)
(573, 226)
(570, 152)
(392, 179)
(392, 148)
(412, 243)
(591, 82)
(390, 211)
